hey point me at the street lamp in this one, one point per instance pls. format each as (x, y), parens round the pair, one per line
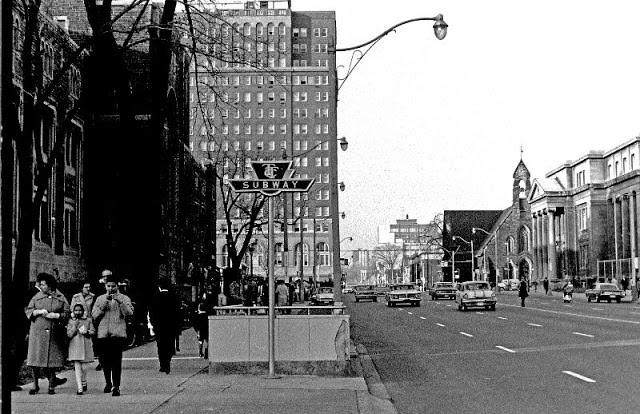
(495, 242)
(472, 252)
(347, 238)
(342, 215)
(341, 185)
(453, 261)
(343, 144)
(439, 30)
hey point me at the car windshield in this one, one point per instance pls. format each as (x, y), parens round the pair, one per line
(444, 285)
(326, 290)
(608, 286)
(402, 287)
(477, 286)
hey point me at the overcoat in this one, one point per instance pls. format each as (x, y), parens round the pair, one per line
(47, 337)
(80, 346)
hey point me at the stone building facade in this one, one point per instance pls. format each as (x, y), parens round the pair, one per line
(506, 249)
(585, 217)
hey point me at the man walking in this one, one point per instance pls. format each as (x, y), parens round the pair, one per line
(109, 312)
(164, 315)
(545, 284)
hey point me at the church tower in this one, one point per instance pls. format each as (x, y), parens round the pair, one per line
(521, 186)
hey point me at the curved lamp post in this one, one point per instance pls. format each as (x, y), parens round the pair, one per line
(439, 30)
(472, 252)
(495, 240)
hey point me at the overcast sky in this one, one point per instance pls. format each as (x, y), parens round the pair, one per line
(438, 125)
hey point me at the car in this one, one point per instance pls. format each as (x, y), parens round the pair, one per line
(403, 293)
(510, 284)
(365, 292)
(443, 290)
(324, 296)
(606, 291)
(502, 286)
(381, 290)
(475, 294)
(347, 289)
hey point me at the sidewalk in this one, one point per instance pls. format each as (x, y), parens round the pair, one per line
(190, 389)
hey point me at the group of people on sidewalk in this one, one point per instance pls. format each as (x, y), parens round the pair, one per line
(523, 289)
(92, 327)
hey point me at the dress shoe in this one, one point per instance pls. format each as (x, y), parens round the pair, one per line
(79, 392)
(84, 387)
(107, 388)
(52, 391)
(58, 381)
(116, 392)
(99, 367)
(34, 391)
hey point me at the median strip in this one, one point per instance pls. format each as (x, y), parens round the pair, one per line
(534, 324)
(581, 377)
(410, 313)
(581, 334)
(466, 334)
(503, 318)
(505, 349)
(422, 317)
(439, 324)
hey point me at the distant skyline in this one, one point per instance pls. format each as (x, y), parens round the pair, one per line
(438, 125)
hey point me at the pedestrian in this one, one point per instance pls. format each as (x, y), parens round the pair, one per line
(109, 313)
(523, 291)
(48, 311)
(96, 345)
(80, 330)
(545, 284)
(164, 315)
(282, 294)
(201, 325)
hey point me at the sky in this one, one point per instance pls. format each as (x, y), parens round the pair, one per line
(439, 125)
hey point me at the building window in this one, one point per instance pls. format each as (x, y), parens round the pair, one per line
(323, 254)
(305, 255)
(582, 217)
(523, 240)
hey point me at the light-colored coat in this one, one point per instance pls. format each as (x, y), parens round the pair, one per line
(47, 337)
(80, 346)
(110, 315)
(86, 301)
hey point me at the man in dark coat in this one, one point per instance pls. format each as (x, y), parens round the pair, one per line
(164, 315)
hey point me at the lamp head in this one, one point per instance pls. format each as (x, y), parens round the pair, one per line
(440, 27)
(343, 144)
(473, 230)
(343, 215)
(341, 186)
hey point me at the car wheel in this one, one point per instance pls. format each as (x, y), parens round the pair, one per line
(433, 297)
(619, 300)
(459, 307)
(598, 299)
(588, 298)
(609, 300)
(357, 300)
(464, 307)
(375, 299)
(418, 304)
(493, 307)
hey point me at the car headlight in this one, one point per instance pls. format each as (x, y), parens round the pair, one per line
(493, 294)
(465, 296)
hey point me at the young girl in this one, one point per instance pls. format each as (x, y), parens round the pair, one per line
(79, 330)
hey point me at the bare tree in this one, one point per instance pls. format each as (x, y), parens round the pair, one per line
(389, 256)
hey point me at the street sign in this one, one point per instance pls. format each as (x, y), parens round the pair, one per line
(271, 178)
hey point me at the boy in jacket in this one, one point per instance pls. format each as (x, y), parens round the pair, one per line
(109, 313)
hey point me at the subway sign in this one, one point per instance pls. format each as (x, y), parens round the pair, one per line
(271, 178)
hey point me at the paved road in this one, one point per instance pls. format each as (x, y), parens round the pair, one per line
(549, 357)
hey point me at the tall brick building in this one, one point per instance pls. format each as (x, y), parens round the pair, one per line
(264, 86)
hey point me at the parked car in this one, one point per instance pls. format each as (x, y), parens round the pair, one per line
(403, 293)
(365, 292)
(324, 296)
(511, 284)
(443, 290)
(606, 291)
(347, 289)
(502, 285)
(475, 294)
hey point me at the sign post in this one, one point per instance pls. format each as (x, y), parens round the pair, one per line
(270, 179)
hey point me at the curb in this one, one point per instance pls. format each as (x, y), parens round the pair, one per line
(380, 400)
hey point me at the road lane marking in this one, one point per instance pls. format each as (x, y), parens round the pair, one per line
(581, 334)
(544, 303)
(597, 308)
(410, 313)
(506, 349)
(534, 324)
(582, 377)
(575, 314)
(439, 324)
(479, 313)
(156, 358)
(635, 313)
(422, 317)
(448, 305)
(503, 318)
(466, 334)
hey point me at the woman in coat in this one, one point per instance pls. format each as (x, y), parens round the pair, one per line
(80, 330)
(47, 311)
(523, 291)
